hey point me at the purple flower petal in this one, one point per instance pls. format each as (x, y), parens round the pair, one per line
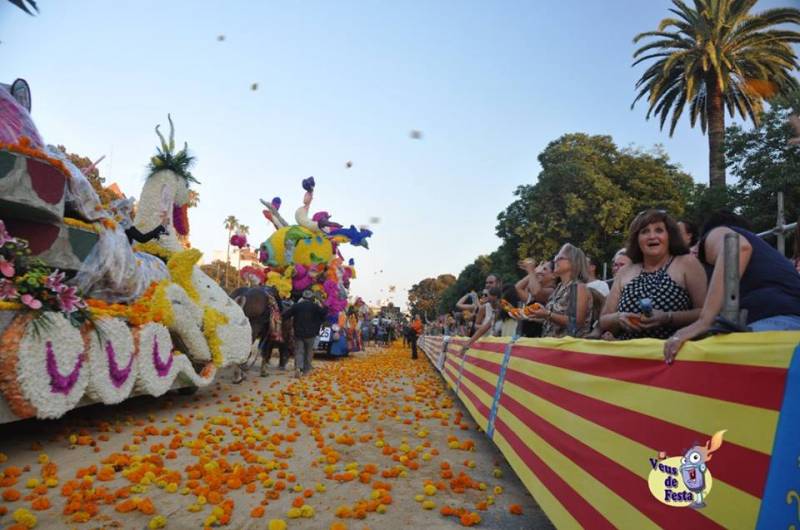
(118, 375)
(61, 384)
(162, 368)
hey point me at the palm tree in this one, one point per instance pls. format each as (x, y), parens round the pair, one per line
(231, 222)
(713, 56)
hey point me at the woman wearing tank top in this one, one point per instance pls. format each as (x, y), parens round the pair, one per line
(661, 270)
(769, 286)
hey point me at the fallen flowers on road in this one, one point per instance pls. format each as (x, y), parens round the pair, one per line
(277, 451)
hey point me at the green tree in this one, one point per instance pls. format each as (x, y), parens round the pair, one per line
(472, 278)
(714, 55)
(587, 193)
(765, 163)
(423, 297)
(218, 270)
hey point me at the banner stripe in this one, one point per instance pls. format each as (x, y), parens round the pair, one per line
(477, 408)
(617, 509)
(702, 414)
(585, 514)
(771, 349)
(479, 382)
(556, 512)
(738, 466)
(720, 381)
(618, 479)
(731, 505)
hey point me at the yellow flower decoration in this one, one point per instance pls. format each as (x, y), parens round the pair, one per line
(280, 282)
(152, 247)
(212, 319)
(181, 266)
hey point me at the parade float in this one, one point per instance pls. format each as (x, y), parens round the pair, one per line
(306, 255)
(85, 316)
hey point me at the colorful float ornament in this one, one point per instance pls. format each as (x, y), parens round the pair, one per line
(253, 275)
(43, 370)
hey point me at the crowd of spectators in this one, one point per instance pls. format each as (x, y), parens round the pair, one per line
(667, 283)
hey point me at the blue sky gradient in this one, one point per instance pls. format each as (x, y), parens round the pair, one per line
(489, 84)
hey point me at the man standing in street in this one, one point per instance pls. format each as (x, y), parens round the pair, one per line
(415, 330)
(307, 317)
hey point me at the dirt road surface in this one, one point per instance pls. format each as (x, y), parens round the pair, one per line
(372, 441)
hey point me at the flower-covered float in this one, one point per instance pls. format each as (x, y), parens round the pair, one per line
(85, 315)
(305, 255)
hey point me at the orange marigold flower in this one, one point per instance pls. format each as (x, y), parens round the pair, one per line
(516, 509)
(41, 503)
(126, 506)
(11, 495)
(257, 512)
(146, 507)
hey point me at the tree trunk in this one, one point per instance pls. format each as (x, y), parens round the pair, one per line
(715, 113)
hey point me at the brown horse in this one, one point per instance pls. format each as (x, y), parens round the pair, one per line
(257, 303)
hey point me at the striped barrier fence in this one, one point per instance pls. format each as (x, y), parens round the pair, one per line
(583, 424)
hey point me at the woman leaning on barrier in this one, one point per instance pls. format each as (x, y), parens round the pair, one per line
(769, 286)
(662, 289)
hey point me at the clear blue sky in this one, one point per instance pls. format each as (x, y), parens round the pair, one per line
(488, 83)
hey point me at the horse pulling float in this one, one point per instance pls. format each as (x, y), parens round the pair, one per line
(84, 315)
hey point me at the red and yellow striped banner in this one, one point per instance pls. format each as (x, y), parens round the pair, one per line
(579, 420)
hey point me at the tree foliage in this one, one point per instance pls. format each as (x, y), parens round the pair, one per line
(713, 56)
(423, 297)
(587, 193)
(764, 164)
(218, 270)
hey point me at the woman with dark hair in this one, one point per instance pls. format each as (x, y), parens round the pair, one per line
(508, 326)
(688, 232)
(769, 287)
(662, 289)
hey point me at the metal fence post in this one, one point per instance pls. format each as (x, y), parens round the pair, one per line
(730, 304)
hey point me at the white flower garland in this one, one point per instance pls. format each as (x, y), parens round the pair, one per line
(157, 366)
(235, 335)
(52, 367)
(187, 323)
(113, 361)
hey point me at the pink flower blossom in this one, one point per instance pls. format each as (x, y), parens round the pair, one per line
(68, 300)
(8, 290)
(6, 267)
(54, 281)
(30, 301)
(5, 237)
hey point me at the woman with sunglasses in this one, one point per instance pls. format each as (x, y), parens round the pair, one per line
(570, 268)
(662, 289)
